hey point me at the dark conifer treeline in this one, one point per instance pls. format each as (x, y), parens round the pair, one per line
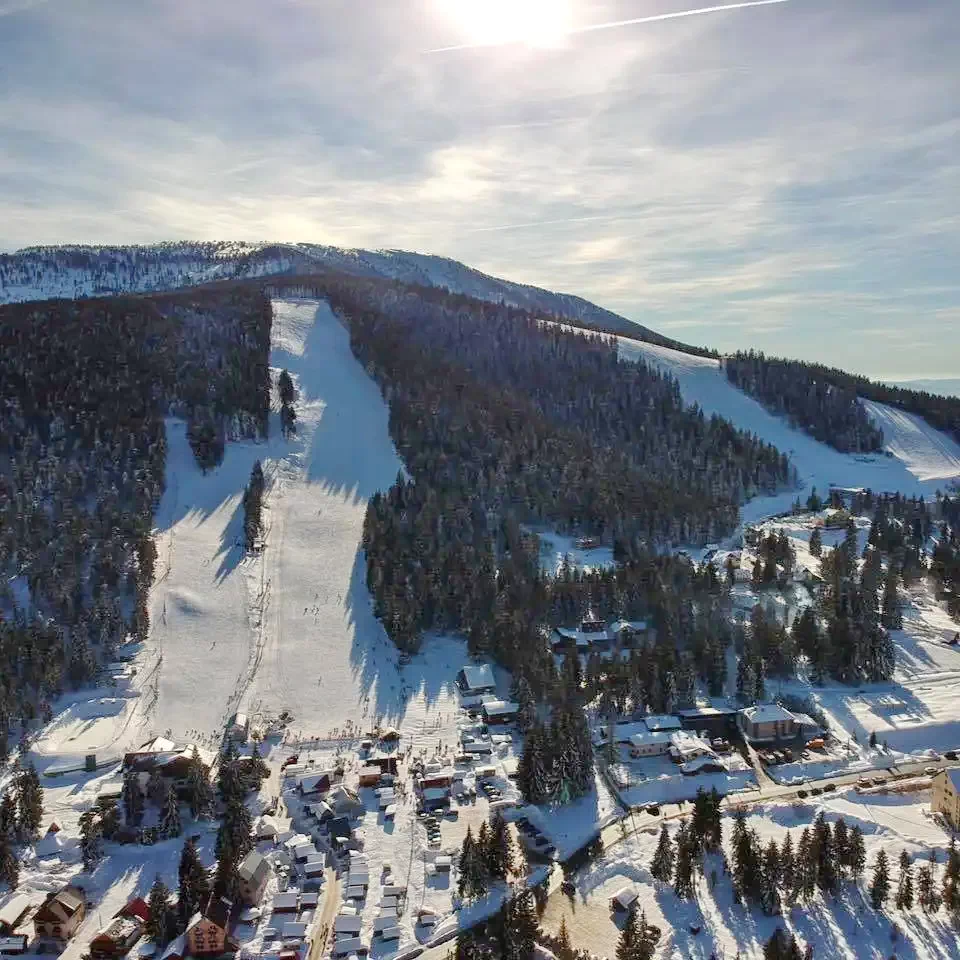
(819, 405)
(503, 420)
(821, 399)
(84, 388)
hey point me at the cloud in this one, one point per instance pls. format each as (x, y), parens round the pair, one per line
(784, 178)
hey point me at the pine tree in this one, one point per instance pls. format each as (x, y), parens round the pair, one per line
(8, 817)
(29, 801)
(500, 856)
(234, 842)
(926, 889)
(880, 885)
(841, 846)
(816, 542)
(770, 898)
(905, 883)
(891, 617)
(787, 867)
(564, 948)
(858, 853)
(194, 887)
(662, 864)
(467, 866)
(132, 797)
(683, 872)
(806, 865)
(257, 769)
(160, 927)
(91, 840)
(200, 796)
(479, 875)
(823, 853)
(951, 879)
(9, 864)
(628, 944)
(518, 927)
(285, 388)
(170, 825)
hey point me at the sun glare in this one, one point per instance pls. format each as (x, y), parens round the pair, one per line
(536, 23)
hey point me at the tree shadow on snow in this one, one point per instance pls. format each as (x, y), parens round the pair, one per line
(376, 661)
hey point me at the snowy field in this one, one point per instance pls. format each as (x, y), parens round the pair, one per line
(921, 461)
(842, 927)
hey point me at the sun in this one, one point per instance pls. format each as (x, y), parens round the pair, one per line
(535, 23)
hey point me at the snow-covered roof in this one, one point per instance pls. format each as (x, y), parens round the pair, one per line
(767, 713)
(479, 676)
(176, 948)
(500, 708)
(13, 909)
(700, 763)
(663, 721)
(953, 775)
(618, 625)
(649, 737)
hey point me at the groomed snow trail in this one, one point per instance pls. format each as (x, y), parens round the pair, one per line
(322, 654)
(920, 461)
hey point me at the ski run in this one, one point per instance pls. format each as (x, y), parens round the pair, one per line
(290, 632)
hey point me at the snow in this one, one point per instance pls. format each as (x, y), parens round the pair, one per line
(921, 460)
(843, 926)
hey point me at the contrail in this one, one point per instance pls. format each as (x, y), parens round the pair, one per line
(614, 24)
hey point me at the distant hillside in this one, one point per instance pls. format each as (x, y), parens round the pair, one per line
(948, 387)
(36, 273)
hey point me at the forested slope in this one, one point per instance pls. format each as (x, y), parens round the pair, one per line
(84, 388)
(79, 271)
(823, 401)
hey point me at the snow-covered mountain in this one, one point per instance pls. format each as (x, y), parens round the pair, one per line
(36, 273)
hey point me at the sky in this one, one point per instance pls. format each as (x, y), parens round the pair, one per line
(783, 176)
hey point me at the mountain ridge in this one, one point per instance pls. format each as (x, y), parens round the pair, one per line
(77, 270)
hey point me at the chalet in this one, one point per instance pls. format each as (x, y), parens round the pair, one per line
(123, 931)
(686, 746)
(440, 778)
(239, 728)
(624, 898)
(436, 797)
(650, 744)
(767, 723)
(345, 802)
(388, 763)
(946, 795)
(347, 926)
(369, 776)
(12, 911)
(656, 723)
(474, 680)
(702, 764)
(349, 945)
(628, 632)
(253, 874)
(60, 914)
(500, 711)
(314, 783)
(148, 752)
(207, 932)
(715, 721)
(286, 902)
(13, 945)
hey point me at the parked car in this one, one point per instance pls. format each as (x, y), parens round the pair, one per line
(653, 810)
(816, 791)
(951, 754)
(802, 794)
(829, 787)
(932, 771)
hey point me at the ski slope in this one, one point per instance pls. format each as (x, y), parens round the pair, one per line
(917, 460)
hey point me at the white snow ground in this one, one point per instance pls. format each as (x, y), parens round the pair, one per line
(841, 927)
(921, 461)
